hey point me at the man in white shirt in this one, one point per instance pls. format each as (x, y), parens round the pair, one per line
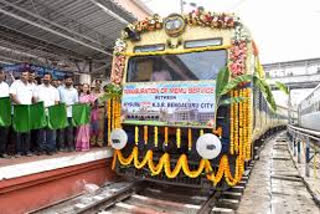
(4, 92)
(69, 96)
(21, 93)
(49, 95)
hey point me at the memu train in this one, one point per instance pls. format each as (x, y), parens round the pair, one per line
(190, 111)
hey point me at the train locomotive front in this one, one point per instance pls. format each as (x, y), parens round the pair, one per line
(185, 115)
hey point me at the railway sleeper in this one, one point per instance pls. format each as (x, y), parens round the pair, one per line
(228, 203)
(232, 195)
(237, 188)
(220, 210)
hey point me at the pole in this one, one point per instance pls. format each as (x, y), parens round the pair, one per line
(307, 169)
(299, 151)
(294, 146)
(289, 107)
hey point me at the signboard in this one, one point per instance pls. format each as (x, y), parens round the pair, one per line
(170, 103)
(39, 70)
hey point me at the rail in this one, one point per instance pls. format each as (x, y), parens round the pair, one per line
(301, 137)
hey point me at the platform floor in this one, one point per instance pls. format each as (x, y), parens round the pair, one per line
(275, 185)
(17, 167)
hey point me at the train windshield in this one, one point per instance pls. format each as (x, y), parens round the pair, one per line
(182, 67)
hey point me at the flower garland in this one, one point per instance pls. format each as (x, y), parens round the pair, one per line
(189, 139)
(117, 113)
(214, 20)
(109, 120)
(197, 17)
(231, 126)
(145, 135)
(113, 113)
(178, 138)
(218, 131)
(238, 56)
(166, 136)
(118, 63)
(182, 164)
(236, 124)
(240, 125)
(118, 69)
(156, 136)
(249, 124)
(148, 24)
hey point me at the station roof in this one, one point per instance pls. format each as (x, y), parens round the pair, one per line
(70, 34)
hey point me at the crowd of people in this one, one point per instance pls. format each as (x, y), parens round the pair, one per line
(28, 89)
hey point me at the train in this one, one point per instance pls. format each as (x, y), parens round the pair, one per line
(309, 111)
(192, 100)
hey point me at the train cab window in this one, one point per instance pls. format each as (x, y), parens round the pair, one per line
(181, 67)
(149, 48)
(203, 43)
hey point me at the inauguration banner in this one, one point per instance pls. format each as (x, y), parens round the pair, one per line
(161, 104)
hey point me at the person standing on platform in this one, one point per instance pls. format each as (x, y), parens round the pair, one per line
(4, 92)
(68, 96)
(97, 116)
(49, 95)
(83, 133)
(21, 93)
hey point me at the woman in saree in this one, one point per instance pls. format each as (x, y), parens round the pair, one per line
(83, 132)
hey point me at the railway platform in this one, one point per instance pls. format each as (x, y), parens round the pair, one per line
(28, 183)
(276, 185)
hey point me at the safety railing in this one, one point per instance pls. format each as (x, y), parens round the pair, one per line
(305, 144)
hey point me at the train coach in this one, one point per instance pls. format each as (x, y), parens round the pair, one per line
(309, 111)
(192, 100)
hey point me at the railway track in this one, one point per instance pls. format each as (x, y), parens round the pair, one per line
(146, 198)
(143, 197)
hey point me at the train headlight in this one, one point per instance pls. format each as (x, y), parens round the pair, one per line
(119, 139)
(208, 146)
(174, 25)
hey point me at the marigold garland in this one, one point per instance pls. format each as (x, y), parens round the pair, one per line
(236, 124)
(231, 126)
(156, 136)
(166, 138)
(189, 139)
(240, 126)
(218, 131)
(117, 113)
(145, 134)
(113, 114)
(182, 164)
(249, 126)
(178, 138)
(109, 120)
